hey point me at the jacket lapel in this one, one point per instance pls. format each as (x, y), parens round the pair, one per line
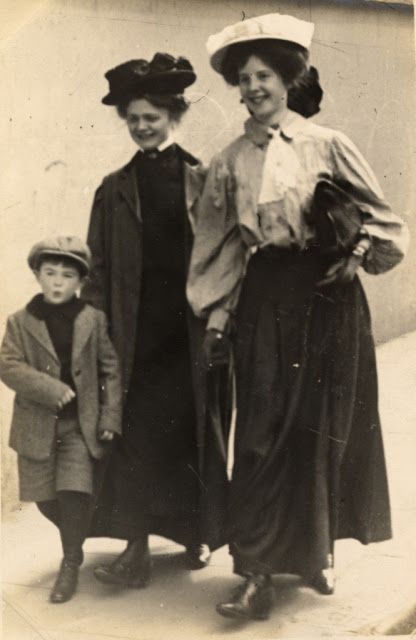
(38, 330)
(128, 188)
(194, 176)
(83, 326)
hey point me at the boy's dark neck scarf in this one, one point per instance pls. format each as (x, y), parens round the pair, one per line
(59, 319)
(44, 310)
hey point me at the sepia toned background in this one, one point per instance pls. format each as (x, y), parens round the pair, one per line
(58, 140)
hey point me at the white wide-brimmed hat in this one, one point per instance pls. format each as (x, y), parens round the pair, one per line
(274, 26)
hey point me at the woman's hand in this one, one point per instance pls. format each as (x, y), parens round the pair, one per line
(216, 348)
(342, 271)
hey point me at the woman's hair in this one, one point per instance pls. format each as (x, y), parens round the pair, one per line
(176, 104)
(305, 95)
(287, 59)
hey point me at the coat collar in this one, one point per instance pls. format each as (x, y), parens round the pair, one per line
(83, 326)
(194, 175)
(38, 330)
(291, 125)
(128, 186)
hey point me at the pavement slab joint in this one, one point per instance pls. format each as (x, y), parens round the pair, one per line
(376, 585)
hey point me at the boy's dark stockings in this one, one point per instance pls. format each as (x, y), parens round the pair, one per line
(49, 509)
(71, 513)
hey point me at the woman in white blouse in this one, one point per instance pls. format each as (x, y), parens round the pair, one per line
(309, 462)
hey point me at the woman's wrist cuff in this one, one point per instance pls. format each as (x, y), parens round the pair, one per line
(359, 251)
(219, 320)
(362, 246)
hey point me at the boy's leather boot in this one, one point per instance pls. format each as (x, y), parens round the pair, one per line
(132, 568)
(74, 518)
(67, 579)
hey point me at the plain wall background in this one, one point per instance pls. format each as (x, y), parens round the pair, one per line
(58, 140)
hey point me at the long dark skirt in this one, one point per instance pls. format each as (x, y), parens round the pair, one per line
(151, 483)
(309, 462)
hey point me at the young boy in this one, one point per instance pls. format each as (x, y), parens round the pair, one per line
(57, 356)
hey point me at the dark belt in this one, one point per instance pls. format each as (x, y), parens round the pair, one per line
(273, 251)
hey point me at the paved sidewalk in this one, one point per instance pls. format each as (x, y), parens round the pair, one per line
(376, 585)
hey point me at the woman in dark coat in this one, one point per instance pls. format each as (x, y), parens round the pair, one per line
(309, 463)
(140, 235)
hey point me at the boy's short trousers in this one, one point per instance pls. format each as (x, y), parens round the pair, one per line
(69, 467)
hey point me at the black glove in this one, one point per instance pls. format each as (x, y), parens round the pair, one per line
(342, 272)
(216, 348)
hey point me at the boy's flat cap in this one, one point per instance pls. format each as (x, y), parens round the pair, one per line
(61, 247)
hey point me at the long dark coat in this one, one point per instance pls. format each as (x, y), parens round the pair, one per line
(114, 286)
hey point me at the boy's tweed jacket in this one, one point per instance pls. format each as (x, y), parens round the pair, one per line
(30, 366)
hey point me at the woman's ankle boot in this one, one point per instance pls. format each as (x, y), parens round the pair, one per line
(198, 556)
(324, 580)
(132, 568)
(252, 600)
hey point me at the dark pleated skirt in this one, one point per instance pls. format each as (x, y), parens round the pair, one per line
(309, 461)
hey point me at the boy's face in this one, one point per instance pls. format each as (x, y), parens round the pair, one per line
(59, 282)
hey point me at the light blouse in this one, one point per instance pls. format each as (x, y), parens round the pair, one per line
(258, 192)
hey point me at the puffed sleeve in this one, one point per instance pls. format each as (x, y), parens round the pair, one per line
(388, 233)
(219, 253)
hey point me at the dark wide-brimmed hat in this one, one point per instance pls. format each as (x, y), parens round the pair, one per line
(164, 74)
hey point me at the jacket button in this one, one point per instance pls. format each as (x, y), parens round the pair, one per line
(78, 372)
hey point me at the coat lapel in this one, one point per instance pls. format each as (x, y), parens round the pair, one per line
(38, 329)
(83, 326)
(128, 188)
(194, 181)
(194, 176)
